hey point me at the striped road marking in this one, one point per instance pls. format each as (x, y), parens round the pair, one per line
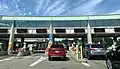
(86, 64)
(38, 61)
(10, 58)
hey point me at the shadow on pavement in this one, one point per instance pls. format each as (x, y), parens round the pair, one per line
(60, 59)
(97, 58)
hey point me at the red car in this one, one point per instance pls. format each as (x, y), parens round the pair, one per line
(57, 50)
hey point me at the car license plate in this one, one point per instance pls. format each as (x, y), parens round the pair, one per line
(98, 50)
(56, 51)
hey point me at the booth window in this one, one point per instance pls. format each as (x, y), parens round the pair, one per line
(99, 29)
(22, 30)
(41, 30)
(60, 31)
(117, 29)
(3, 30)
(79, 30)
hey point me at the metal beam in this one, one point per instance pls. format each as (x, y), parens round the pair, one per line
(61, 18)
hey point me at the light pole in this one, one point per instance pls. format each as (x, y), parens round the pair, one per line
(89, 37)
(11, 39)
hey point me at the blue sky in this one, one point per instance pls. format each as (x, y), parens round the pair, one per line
(58, 7)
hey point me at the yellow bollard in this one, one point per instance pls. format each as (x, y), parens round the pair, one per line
(81, 52)
(10, 46)
(77, 55)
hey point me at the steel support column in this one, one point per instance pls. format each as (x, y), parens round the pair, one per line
(89, 36)
(11, 39)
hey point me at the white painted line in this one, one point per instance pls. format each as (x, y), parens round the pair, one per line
(38, 61)
(10, 58)
(27, 57)
(31, 57)
(86, 64)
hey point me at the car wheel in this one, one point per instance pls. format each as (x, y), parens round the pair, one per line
(49, 58)
(110, 64)
(65, 58)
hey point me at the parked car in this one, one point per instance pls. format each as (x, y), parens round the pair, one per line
(91, 50)
(57, 50)
(113, 58)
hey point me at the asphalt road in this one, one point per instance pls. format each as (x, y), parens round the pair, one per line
(40, 61)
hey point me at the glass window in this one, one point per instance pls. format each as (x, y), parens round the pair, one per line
(96, 46)
(66, 24)
(4, 23)
(78, 23)
(102, 23)
(86, 46)
(32, 24)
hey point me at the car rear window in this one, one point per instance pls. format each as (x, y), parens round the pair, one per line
(96, 46)
(57, 46)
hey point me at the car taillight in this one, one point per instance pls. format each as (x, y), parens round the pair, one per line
(92, 49)
(52, 50)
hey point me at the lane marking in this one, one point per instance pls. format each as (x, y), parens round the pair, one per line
(31, 57)
(86, 64)
(38, 61)
(10, 58)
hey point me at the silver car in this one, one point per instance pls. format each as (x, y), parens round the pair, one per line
(94, 50)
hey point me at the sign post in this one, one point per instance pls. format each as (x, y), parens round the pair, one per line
(50, 38)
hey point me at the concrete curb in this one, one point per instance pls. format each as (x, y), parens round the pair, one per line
(79, 60)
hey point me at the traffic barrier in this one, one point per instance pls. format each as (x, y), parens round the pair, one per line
(77, 52)
(81, 52)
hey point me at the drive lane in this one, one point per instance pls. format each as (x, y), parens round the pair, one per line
(41, 62)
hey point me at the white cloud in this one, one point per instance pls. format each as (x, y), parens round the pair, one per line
(84, 8)
(46, 5)
(56, 7)
(29, 13)
(58, 10)
(18, 0)
(8, 13)
(6, 9)
(39, 5)
(24, 14)
(116, 12)
(3, 7)
(53, 6)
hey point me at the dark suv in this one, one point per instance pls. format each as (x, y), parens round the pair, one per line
(113, 58)
(94, 50)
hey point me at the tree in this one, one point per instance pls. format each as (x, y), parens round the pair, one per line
(96, 40)
(118, 42)
(108, 41)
